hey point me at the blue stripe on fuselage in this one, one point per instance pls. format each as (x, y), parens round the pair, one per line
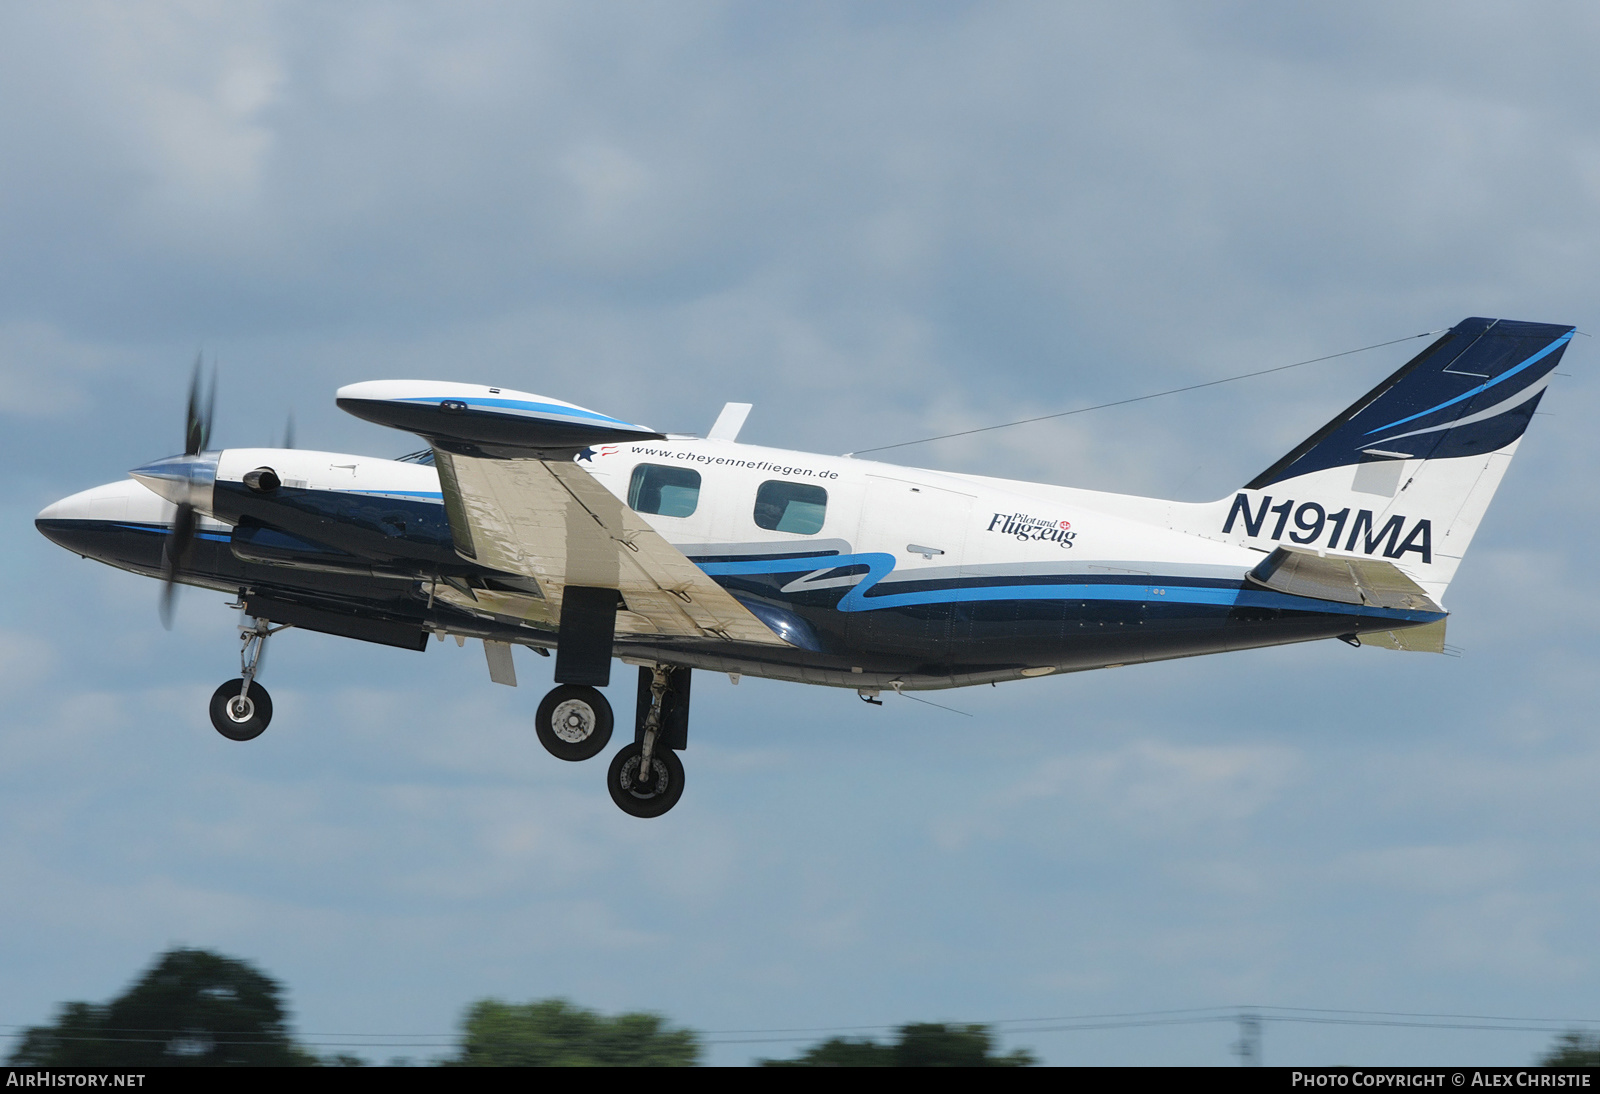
(166, 530)
(879, 566)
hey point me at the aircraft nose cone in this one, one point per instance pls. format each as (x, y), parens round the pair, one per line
(58, 521)
(65, 509)
(182, 480)
(119, 522)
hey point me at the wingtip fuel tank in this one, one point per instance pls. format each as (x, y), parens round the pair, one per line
(471, 415)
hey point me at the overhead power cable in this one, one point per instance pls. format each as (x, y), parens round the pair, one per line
(1020, 1027)
(1011, 1027)
(1143, 398)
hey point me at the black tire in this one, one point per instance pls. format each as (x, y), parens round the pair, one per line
(574, 722)
(236, 721)
(631, 796)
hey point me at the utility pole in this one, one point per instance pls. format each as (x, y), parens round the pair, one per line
(1248, 1046)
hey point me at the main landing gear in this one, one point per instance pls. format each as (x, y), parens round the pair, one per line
(646, 777)
(574, 722)
(645, 784)
(241, 709)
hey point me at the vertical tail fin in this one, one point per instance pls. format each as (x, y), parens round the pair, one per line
(1407, 471)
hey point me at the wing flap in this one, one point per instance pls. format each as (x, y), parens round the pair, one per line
(551, 521)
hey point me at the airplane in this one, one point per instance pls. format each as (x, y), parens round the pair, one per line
(530, 521)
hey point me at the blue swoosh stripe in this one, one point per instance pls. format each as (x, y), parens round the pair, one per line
(166, 530)
(1146, 594)
(519, 404)
(879, 565)
(793, 565)
(1551, 348)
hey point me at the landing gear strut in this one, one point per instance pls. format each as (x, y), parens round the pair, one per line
(646, 777)
(574, 720)
(241, 709)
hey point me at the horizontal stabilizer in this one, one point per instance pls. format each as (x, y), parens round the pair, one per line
(473, 419)
(1345, 579)
(1428, 638)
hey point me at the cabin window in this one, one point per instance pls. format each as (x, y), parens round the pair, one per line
(664, 491)
(791, 507)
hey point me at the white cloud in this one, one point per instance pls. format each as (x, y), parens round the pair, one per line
(1167, 787)
(1506, 934)
(43, 372)
(26, 661)
(1468, 868)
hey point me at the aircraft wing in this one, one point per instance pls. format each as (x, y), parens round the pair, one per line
(518, 503)
(551, 521)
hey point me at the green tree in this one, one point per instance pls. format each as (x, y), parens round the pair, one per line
(554, 1033)
(1573, 1049)
(192, 1008)
(840, 1052)
(920, 1044)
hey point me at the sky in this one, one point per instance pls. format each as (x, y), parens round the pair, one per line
(876, 222)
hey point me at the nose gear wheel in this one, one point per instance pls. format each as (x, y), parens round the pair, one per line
(241, 708)
(240, 714)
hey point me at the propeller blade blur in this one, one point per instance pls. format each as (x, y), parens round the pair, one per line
(193, 431)
(211, 411)
(175, 555)
(197, 422)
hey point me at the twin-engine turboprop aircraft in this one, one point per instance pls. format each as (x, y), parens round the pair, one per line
(530, 521)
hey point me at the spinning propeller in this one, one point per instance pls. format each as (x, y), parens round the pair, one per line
(180, 544)
(187, 482)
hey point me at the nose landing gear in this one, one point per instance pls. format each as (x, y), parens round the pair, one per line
(240, 712)
(241, 709)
